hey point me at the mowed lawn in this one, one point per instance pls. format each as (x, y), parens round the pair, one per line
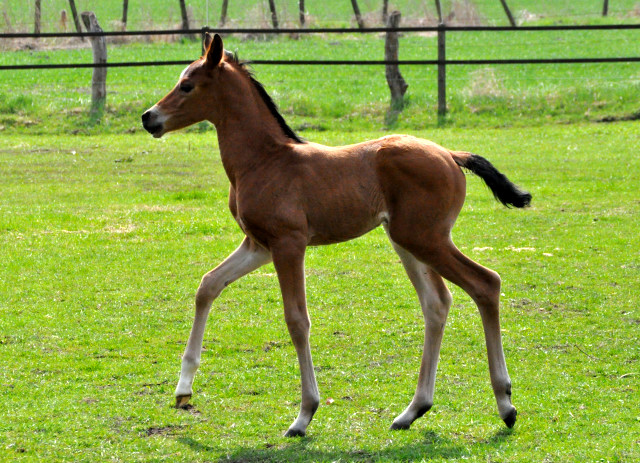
(103, 240)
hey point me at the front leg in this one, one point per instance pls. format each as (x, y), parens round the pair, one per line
(248, 257)
(288, 259)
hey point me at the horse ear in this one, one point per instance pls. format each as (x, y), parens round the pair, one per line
(214, 49)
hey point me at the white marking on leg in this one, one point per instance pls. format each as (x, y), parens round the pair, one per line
(245, 259)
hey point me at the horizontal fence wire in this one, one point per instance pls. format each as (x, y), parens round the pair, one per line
(438, 29)
(321, 30)
(629, 59)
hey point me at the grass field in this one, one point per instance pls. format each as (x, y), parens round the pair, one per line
(163, 13)
(105, 233)
(355, 97)
(104, 239)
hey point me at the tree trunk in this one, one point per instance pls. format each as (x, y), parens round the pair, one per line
(508, 12)
(301, 8)
(76, 20)
(125, 8)
(356, 11)
(439, 10)
(274, 14)
(223, 13)
(185, 20)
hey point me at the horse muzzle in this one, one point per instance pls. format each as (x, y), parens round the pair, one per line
(153, 122)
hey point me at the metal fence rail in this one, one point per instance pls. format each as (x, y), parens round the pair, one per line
(441, 29)
(441, 62)
(321, 30)
(432, 62)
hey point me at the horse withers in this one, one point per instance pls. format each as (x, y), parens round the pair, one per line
(287, 194)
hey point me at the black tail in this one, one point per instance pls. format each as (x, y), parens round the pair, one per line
(501, 187)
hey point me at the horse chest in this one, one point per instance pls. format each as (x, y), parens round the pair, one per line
(265, 216)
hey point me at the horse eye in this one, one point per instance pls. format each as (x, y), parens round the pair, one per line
(186, 87)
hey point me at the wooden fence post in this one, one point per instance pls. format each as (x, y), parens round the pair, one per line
(99, 77)
(125, 8)
(397, 84)
(223, 13)
(74, 14)
(442, 73)
(508, 12)
(36, 27)
(274, 14)
(301, 8)
(356, 11)
(605, 8)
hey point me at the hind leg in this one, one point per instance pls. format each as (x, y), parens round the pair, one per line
(435, 300)
(483, 285)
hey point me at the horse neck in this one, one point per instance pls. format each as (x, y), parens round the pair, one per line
(247, 132)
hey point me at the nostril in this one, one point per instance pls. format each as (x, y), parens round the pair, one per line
(146, 116)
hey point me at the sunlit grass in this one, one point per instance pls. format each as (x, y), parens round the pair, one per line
(104, 240)
(355, 97)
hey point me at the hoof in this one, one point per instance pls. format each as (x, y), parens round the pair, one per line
(399, 425)
(510, 419)
(182, 401)
(291, 432)
(406, 418)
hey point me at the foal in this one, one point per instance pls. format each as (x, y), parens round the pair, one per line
(287, 194)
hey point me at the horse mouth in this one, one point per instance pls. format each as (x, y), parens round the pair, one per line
(152, 125)
(156, 131)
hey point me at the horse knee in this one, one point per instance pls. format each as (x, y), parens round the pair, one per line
(191, 360)
(438, 302)
(299, 326)
(210, 287)
(437, 310)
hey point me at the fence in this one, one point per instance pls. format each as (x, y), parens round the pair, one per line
(441, 62)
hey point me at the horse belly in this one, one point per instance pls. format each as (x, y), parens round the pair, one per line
(336, 221)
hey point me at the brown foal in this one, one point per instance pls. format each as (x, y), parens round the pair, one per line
(287, 194)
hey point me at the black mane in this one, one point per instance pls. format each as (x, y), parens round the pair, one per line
(271, 105)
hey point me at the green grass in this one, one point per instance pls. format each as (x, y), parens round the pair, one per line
(105, 233)
(355, 97)
(104, 239)
(162, 13)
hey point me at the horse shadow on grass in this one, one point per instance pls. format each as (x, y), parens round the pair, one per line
(430, 446)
